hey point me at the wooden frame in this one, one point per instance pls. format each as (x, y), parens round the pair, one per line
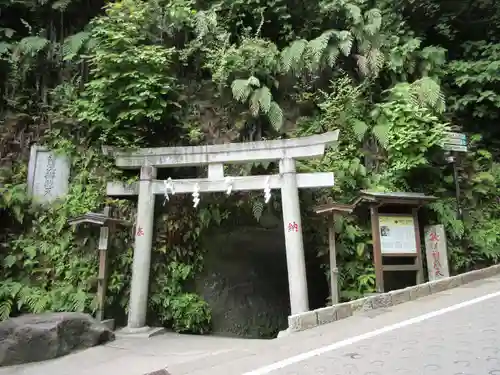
(378, 256)
(406, 201)
(410, 202)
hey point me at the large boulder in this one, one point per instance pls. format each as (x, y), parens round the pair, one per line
(38, 337)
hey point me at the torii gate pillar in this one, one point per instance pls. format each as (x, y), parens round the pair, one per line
(141, 265)
(294, 242)
(215, 156)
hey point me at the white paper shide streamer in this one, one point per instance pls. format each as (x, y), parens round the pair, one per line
(229, 185)
(168, 188)
(267, 191)
(196, 195)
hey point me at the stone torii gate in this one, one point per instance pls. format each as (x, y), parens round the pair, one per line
(215, 156)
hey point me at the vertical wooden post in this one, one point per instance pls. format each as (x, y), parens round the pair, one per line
(377, 251)
(418, 260)
(334, 272)
(101, 279)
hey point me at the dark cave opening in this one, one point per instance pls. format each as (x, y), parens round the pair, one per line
(245, 281)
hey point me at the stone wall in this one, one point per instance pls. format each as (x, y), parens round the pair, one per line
(330, 314)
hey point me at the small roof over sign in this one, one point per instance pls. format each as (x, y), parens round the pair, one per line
(402, 198)
(96, 218)
(383, 198)
(334, 208)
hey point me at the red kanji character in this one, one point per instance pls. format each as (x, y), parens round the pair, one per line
(436, 264)
(438, 273)
(295, 226)
(435, 256)
(140, 232)
(434, 237)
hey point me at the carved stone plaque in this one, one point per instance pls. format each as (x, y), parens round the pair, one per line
(48, 175)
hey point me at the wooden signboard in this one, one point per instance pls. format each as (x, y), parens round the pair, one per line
(395, 235)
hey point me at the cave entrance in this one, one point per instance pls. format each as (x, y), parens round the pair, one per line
(245, 280)
(215, 156)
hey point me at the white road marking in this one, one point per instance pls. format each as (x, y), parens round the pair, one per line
(352, 340)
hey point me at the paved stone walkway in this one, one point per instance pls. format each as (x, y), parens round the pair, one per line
(465, 341)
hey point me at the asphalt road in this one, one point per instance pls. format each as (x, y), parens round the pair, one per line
(465, 341)
(461, 341)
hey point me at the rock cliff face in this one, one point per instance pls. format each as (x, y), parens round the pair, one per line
(38, 337)
(245, 282)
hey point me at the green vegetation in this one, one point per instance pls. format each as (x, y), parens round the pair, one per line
(392, 76)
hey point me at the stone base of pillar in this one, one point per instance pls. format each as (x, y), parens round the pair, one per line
(143, 332)
(283, 333)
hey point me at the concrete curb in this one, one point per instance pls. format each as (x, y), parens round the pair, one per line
(330, 314)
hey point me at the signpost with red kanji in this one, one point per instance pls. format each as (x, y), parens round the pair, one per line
(436, 252)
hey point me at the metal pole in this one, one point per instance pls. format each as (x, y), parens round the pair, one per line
(457, 186)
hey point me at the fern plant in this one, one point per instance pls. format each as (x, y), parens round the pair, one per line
(259, 99)
(303, 55)
(74, 44)
(16, 298)
(31, 46)
(362, 40)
